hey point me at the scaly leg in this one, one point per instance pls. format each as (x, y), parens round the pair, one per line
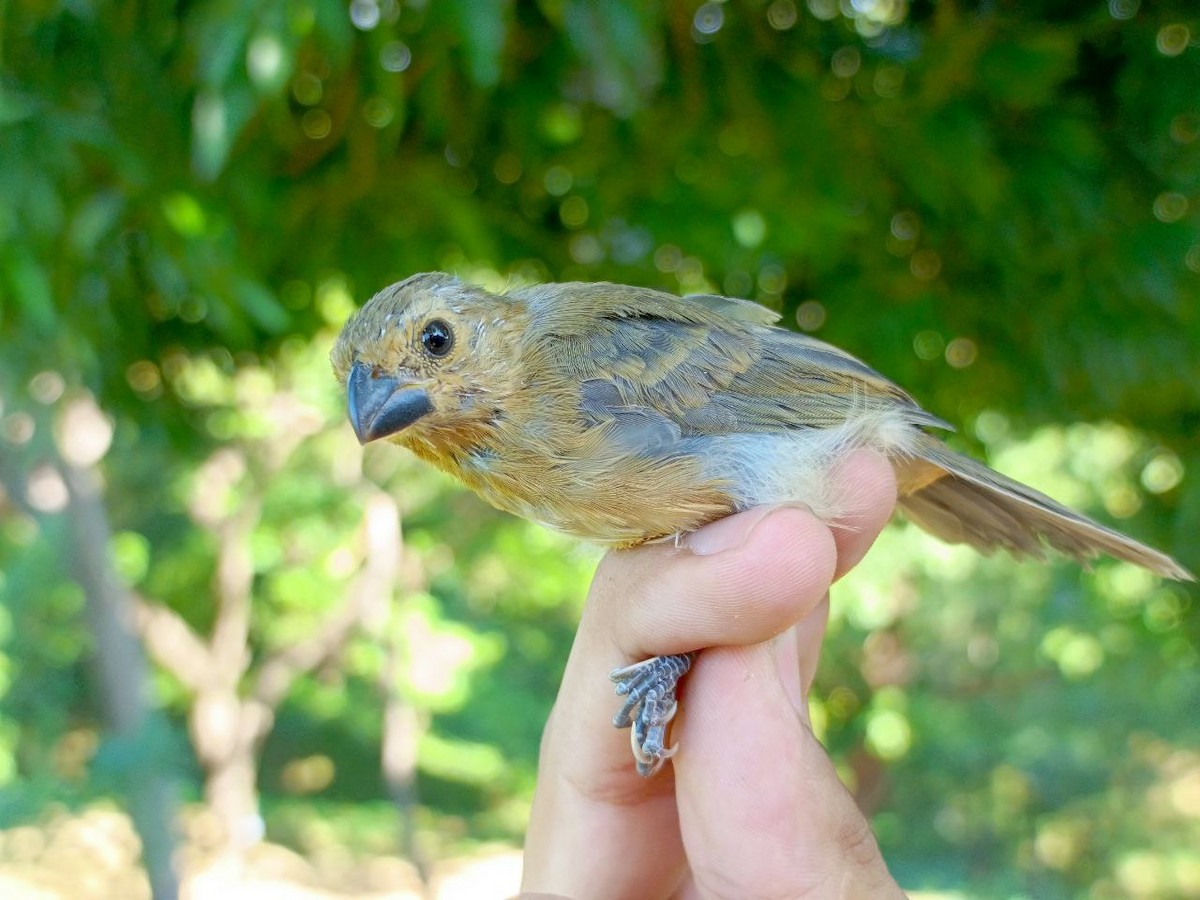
(649, 691)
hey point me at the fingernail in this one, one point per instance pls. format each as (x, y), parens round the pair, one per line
(728, 533)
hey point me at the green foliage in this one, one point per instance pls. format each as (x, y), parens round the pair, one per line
(995, 204)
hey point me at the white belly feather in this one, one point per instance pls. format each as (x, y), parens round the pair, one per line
(796, 466)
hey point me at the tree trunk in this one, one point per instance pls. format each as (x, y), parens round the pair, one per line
(120, 674)
(392, 577)
(231, 792)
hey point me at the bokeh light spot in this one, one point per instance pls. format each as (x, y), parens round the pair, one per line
(265, 60)
(561, 123)
(558, 180)
(335, 301)
(47, 386)
(707, 22)
(889, 735)
(45, 490)
(1076, 654)
(905, 225)
(143, 376)
(667, 258)
(961, 352)
(1173, 39)
(1170, 206)
(507, 168)
(184, 213)
(17, 428)
(738, 283)
(1123, 9)
(131, 556)
(846, 62)
(83, 432)
(772, 278)
(378, 112)
(316, 124)
(395, 56)
(309, 775)
(749, 228)
(1163, 472)
(307, 89)
(573, 211)
(1142, 874)
(823, 9)
(810, 315)
(991, 426)
(364, 14)
(782, 15)
(1185, 793)
(586, 250)
(1192, 258)
(928, 345)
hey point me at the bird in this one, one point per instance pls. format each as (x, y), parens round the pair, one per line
(624, 415)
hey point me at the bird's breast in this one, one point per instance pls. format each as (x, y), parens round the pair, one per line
(622, 483)
(594, 492)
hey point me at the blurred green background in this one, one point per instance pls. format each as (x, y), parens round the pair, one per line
(221, 616)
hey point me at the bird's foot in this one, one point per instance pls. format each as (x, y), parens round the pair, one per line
(649, 691)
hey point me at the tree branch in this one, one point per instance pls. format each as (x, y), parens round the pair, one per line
(233, 583)
(174, 644)
(374, 586)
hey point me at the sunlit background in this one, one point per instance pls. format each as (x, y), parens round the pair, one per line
(242, 657)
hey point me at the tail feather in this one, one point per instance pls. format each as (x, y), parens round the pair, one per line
(975, 505)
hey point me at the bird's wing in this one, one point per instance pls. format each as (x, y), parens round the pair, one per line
(656, 364)
(736, 308)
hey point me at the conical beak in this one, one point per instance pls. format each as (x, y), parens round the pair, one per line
(381, 405)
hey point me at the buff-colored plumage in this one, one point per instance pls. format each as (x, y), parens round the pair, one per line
(622, 415)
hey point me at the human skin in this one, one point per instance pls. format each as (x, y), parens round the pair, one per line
(752, 805)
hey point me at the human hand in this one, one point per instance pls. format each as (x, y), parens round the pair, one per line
(752, 805)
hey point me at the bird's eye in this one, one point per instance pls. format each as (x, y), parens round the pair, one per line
(437, 338)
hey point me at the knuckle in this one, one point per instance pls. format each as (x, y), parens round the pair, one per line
(856, 842)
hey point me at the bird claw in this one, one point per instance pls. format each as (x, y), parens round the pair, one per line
(649, 691)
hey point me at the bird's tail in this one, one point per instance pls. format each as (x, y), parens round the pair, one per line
(960, 500)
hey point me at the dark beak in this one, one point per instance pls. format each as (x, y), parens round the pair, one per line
(381, 405)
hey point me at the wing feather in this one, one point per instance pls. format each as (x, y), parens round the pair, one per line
(711, 365)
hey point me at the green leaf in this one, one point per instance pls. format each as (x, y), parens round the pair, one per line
(1027, 70)
(482, 26)
(30, 284)
(262, 306)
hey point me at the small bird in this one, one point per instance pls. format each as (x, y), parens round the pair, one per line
(623, 415)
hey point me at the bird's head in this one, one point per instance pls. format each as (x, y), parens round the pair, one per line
(427, 362)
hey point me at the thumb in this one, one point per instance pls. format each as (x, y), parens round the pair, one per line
(761, 809)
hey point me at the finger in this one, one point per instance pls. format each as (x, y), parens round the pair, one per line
(762, 811)
(797, 654)
(761, 570)
(742, 579)
(788, 666)
(590, 809)
(807, 636)
(657, 600)
(865, 485)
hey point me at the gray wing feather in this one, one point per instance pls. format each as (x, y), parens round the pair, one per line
(708, 365)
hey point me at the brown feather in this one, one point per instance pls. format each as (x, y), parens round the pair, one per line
(622, 414)
(972, 504)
